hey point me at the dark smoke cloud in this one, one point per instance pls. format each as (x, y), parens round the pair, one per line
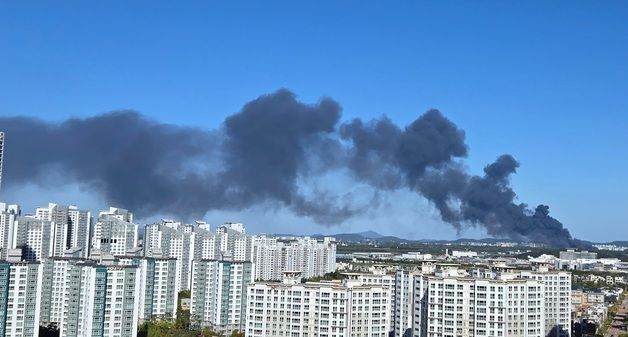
(261, 155)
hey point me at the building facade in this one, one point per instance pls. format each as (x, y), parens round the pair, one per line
(219, 294)
(8, 216)
(273, 256)
(331, 309)
(114, 234)
(20, 298)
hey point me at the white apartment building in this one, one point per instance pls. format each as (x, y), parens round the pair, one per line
(312, 257)
(557, 295)
(71, 227)
(447, 302)
(8, 216)
(219, 294)
(234, 226)
(378, 277)
(454, 305)
(20, 291)
(323, 309)
(175, 240)
(234, 243)
(159, 290)
(74, 291)
(101, 301)
(114, 234)
(206, 244)
(118, 213)
(58, 215)
(54, 289)
(35, 237)
(80, 230)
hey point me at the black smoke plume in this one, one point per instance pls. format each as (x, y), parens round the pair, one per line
(261, 154)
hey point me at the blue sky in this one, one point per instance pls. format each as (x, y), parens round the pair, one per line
(544, 81)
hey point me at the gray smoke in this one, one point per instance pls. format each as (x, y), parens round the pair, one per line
(260, 156)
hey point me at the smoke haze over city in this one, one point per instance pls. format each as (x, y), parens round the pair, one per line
(261, 153)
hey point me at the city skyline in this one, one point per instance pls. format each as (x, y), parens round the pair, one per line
(558, 112)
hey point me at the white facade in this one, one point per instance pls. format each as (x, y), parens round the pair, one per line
(312, 257)
(20, 286)
(170, 239)
(557, 295)
(219, 294)
(100, 300)
(113, 235)
(8, 216)
(80, 234)
(448, 301)
(159, 290)
(35, 237)
(331, 309)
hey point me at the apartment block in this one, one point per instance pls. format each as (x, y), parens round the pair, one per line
(35, 237)
(8, 216)
(20, 291)
(101, 301)
(219, 294)
(557, 295)
(114, 233)
(330, 309)
(273, 256)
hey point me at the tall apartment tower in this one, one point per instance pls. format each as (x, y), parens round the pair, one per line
(219, 294)
(159, 291)
(292, 308)
(114, 233)
(20, 298)
(84, 298)
(273, 256)
(175, 240)
(1, 155)
(79, 235)
(8, 216)
(557, 295)
(71, 227)
(35, 237)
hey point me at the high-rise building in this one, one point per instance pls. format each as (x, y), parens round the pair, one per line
(1, 155)
(35, 237)
(85, 298)
(71, 227)
(159, 291)
(175, 240)
(377, 276)
(79, 235)
(333, 309)
(98, 300)
(20, 298)
(8, 216)
(219, 294)
(188, 242)
(455, 304)
(59, 218)
(273, 256)
(55, 285)
(557, 296)
(114, 233)
(500, 301)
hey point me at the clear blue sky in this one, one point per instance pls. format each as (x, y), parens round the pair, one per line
(546, 81)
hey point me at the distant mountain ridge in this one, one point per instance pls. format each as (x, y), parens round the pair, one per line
(372, 236)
